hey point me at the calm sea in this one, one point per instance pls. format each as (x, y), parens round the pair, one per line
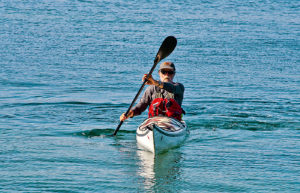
(68, 69)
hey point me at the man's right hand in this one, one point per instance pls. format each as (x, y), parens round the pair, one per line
(130, 115)
(150, 80)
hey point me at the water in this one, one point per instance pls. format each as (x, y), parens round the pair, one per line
(70, 68)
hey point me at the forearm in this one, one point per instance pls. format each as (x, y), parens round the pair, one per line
(158, 83)
(143, 103)
(139, 108)
(176, 89)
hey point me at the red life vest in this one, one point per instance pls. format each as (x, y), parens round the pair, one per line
(165, 107)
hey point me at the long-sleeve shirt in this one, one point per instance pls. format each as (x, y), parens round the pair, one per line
(169, 90)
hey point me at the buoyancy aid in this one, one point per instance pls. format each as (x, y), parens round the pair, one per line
(165, 106)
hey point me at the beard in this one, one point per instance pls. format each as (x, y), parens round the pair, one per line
(167, 79)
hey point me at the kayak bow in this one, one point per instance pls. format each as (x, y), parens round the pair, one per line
(158, 134)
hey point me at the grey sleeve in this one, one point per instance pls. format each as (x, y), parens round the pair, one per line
(143, 103)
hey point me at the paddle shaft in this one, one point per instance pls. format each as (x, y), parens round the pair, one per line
(137, 95)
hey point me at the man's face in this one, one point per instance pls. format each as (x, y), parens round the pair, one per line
(166, 75)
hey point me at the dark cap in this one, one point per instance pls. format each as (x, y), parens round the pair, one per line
(167, 65)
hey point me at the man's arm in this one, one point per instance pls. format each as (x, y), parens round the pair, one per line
(176, 89)
(143, 103)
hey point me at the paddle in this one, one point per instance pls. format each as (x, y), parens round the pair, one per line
(165, 50)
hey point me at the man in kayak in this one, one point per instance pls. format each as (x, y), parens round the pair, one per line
(163, 89)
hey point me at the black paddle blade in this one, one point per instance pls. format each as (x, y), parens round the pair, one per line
(166, 48)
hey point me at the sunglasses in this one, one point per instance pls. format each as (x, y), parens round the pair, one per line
(167, 72)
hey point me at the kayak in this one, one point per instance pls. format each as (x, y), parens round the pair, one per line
(160, 133)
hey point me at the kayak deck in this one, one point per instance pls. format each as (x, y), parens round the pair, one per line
(159, 133)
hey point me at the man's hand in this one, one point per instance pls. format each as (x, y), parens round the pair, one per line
(150, 80)
(130, 115)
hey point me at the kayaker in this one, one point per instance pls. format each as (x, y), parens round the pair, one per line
(164, 89)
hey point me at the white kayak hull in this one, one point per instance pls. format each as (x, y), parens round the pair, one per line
(158, 134)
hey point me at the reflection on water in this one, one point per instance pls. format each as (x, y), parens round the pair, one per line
(160, 172)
